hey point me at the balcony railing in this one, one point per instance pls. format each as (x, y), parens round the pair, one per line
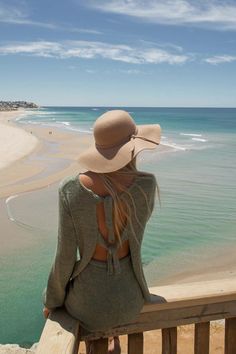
(172, 306)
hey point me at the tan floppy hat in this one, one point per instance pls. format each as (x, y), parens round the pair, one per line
(117, 141)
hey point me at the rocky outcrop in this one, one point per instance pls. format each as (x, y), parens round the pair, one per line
(16, 349)
(14, 105)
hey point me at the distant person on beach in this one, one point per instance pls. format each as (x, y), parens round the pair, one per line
(102, 214)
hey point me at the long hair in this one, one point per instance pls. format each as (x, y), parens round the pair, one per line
(121, 208)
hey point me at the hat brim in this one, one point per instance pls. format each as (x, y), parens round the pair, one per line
(105, 160)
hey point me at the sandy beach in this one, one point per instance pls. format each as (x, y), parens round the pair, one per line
(26, 153)
(32, 162)
(15, 143)
(39, 157)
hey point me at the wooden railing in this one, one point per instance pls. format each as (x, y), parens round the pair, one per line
(174, 305)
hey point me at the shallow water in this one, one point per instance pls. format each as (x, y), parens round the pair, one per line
(197, 217)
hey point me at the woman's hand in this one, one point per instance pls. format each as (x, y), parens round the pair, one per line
(46, 312)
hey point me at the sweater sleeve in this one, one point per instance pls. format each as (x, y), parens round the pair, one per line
(65, 258)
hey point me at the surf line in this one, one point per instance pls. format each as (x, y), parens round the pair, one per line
(11, 216)
(190, 134)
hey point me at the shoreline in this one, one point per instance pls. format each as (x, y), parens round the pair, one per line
(33, 172)
(217, 266)
(15, 143)
(50, 160)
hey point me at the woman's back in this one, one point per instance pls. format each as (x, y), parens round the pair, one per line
(92, 182)
(102, 216)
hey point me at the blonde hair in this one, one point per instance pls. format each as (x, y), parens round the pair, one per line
(121, 208)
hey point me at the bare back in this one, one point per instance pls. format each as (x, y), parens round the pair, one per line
(92, 182)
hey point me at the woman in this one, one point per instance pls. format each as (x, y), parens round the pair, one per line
(102, 214)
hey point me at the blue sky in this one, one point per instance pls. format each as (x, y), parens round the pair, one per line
(119, 52)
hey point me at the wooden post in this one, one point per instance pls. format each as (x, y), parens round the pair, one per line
(169, 340)
(135, 343)
(202, 338)
(60, 334)
(230, 335)
(101, 346)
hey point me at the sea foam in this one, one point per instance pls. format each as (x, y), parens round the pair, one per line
(190, 134)
(199, 139)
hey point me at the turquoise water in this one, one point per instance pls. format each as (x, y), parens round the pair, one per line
(197, 180)
(197, 177)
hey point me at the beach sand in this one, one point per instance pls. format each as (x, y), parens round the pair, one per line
(46, 155)
(15, 143)
(152, 341)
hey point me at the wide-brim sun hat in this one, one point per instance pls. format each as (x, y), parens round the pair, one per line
(117, 140)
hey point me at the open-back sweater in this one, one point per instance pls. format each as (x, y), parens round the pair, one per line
(78, 231)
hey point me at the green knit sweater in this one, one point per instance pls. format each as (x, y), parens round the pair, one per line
(78, 231)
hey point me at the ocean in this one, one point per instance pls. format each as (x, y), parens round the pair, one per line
(194, 222)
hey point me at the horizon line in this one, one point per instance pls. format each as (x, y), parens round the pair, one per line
(121, 106)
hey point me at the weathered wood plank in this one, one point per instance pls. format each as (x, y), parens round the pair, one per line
(169, 340)
(190, 294)
(202, 338)
(101, 346)
(230, 336)
(60, 334)
(171, 318)
(135, 343)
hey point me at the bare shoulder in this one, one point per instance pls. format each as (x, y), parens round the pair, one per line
(92, 181)
(86, 179)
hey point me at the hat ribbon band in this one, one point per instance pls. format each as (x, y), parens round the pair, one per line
(143, 138)
(124, 141)
(121, 142)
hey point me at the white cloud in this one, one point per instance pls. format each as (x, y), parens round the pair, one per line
(215, 14)
(90, 71)
(219, 59)
(41, 48)
(16, 16)
(79, 30)
(131, 71)
(10, 13)
(90, 50)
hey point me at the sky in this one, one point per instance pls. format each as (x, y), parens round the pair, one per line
(159, 53)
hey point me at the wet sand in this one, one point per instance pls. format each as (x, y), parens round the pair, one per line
(15, 143)
(51, 158)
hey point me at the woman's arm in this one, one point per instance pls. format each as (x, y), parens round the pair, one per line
(66, 256)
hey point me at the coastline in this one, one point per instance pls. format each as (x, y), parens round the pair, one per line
(31, 181)
(216, 266)
(35, 173)
(15, 143)
(50, 155)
